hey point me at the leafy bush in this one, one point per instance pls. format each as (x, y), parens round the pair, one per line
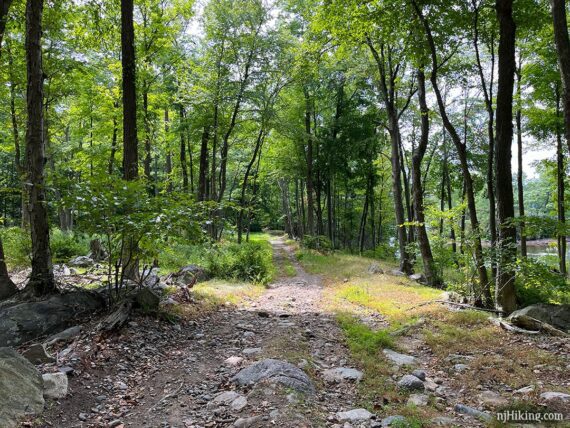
(247, 262)
(319, 243)
(66, 245)
(537, 282)
(17, 247)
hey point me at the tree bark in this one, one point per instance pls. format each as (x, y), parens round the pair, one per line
(242, 201)
(520, 187)
(309, 159)
(430, 271)
(7, 287)
(183, 164)
(562, 41)
(203, 172)
(130, 144)
(41, 278)
(4, 9)
(168, 165)
(560, 176)
(505, 286)
(111, 165)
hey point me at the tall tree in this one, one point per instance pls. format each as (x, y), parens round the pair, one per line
(562, 40)
(41, 278)
(505, 286)
(130, 144)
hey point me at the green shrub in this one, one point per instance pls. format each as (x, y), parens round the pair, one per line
(17, 247)
(246, 262)
(319, 243)
(537, 282)
(66, 245)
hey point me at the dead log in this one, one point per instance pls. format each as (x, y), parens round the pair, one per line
(117, 318)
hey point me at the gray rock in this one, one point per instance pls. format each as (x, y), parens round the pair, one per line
(491, 399)
(21, 388)
(239, 403)
(151, 279)
(418, 277)
(224, 398)
(555, 396)
(190, 275)
(555, 315)
(396, 272)
(247, 422)
(420, 374)
(418, 400)
(341, 374)
(375, 269)
(275, 371)
(55, 385)
(443, 421)
(399, 359)
(27, 321)
(392, 420)
(233, 361)
(147, 300)
(354, 415)
(458, 358)
(411, 383)
(82, 261)
(251, 351)
(70, 333)
(37, 354)
(460, 367)
(470, 411)
(524, 390)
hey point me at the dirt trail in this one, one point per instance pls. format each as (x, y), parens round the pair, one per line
(157, 375)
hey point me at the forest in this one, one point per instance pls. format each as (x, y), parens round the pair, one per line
(398, 166)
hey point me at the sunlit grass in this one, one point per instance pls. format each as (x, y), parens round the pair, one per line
(228, 292)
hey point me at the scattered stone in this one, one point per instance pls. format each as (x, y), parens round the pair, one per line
(443, 421)
(83, 416)
(82, 261)
(341, 374)
(21, 388)
(470, 411)
(525, 390)
(418, 277)
(491, 399)
(55, 385)
(223, 399)
(430, 385)
(147, 300)
(239, 403)
(399, 359)
(411, 383)
(354, 415)
(418, 400)
(396, 272)
(555, 396)
(121, 386)
(375, 269)
(114, 423)
(275, 371)
(393, 420)
(460, 367)
(420, 374)
(37, 354)
(251, 351)
(233, 361)
(67, 334)
(66, 370)
(247, 422)
(458, 358)
(189, 275)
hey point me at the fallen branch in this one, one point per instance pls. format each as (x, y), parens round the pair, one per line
(509, 327)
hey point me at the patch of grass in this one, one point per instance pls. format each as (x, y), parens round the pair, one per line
(221, 292)
(361, 339)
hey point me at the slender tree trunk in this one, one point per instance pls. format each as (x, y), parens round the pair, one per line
(191, 162)
(309, 158)
(168, 166)
(462, 154)
(147, 145)
(203, 173)
(111, 166)
(4, 8)
(561, 175)
(183, 164)
(41, 279)
(430, 271)
(520, 187)
(362, 228)
(130, 145)
(242, 201)
(505, 287)
(7, 287)
(562, 40)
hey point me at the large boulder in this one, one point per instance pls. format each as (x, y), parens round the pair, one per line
(275, 371)
(190, 274)
(556, 315)
(82, 261)
(21, 388)
(27, 321)
(147, 300)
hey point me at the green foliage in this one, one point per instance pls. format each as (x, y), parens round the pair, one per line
(17, 247)
(537, 282)
(66, 245)
(319, 243)
(248, 261)
(361, 339)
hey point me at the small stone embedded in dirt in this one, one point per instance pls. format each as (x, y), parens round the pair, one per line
(443, 421)
(393, 420)
(340, 374)
(396, 272)
(354, 415)
(411, 383)
(224, 398)
(418, 400)
(247, 422)
(460, 367)
(555, 396)
(114, 423)
(70, 333)
(399, 359)
(524, 390)
(375, 269)
(251, 351)
(275, 371)
(122, 386)
(55, 385)
(470, 411)
(83, 416)
(430, 385)
(418, 277)
(491, 399)
(239, 403)
(81, 261)
(420, 374)
(233, 361)
(458, 358)
(37, 354)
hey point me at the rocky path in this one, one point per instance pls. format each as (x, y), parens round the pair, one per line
(158, 375)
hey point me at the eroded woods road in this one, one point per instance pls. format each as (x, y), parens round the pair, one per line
(158, 375)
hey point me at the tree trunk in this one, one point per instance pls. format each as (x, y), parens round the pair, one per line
(462, 154)
(505, 286)
(130, 145)
(430, 271)
(4, 8)
(309, 159)
(183, 164)
(111, 166)
(168, 165)
(563, 50)
(561, 206)
(41, 279)
(520, 187)
(7, 287)
(203, 173)
(242, 201)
